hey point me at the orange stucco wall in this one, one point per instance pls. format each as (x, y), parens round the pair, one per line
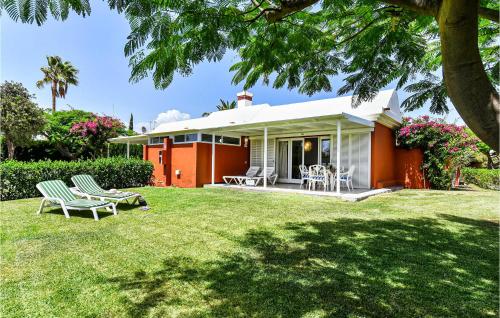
(409, 168)
(383, 157)
(193, 161)
(393, 166)
(152, 154)
(183, 159)
(229, 160)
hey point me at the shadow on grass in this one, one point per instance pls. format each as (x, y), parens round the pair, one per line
(445, 267)
(86, 214)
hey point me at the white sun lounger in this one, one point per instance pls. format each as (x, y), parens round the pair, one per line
(254, 181)
(252, 172)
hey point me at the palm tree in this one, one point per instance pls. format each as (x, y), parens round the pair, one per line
(223, 105)
(59, 74)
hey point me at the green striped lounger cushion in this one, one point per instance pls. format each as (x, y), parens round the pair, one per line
(82, 203)
(86, 184)
(59, 190)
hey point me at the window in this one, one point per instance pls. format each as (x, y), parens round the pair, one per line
(191, 137)
(156, 140)
(206, 137)
(325, 151)
(160, 156)
(186, 138)
(179, 138)
(231, 140)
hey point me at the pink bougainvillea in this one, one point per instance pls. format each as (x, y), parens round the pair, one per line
(446, 146)
(95, 132)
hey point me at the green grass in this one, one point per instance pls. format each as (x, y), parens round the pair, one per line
(225, 253)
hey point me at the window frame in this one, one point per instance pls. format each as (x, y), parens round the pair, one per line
(160, 140)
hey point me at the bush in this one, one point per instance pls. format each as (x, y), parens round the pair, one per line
(18, 179)
(484, 178)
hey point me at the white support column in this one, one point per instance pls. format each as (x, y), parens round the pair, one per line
(128, 149)
(339, 143)
(349, 152)
(331, 150)
(265, 157)
(213, 158)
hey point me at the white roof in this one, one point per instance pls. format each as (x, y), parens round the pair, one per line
(384, 103)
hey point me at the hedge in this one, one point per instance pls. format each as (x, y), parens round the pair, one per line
(484, 178)
(18, 179)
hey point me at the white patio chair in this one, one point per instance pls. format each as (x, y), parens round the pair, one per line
(346, 177)
(304, 175)
(251, 172)
(318, 174)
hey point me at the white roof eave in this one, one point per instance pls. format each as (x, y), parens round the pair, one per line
(132, 139)
(275, 123)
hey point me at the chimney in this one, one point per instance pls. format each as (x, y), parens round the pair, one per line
(244, 99)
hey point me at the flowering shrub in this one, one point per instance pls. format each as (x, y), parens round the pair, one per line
(94, 132)
(446, 147)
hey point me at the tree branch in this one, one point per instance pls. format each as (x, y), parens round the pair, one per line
(423, 7)
(257, 5)
(288, 7)
(490, 14)
(261, 13)
(359, 31)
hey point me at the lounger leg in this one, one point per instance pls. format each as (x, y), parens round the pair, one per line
(113, 206)
(42, 205)
(94, 212)
(136, 199)
(65, 211)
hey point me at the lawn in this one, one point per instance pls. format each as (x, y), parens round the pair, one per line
(227, 253)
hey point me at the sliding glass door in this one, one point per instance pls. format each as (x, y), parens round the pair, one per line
(290, 155)
(297, 156)
(282, 162)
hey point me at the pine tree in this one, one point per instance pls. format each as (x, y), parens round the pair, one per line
(131, 122)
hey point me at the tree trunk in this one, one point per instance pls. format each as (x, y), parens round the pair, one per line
(54, 93)
(65, 152)
(11, 149)
(467, 83)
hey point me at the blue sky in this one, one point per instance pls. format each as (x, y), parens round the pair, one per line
(95, 46)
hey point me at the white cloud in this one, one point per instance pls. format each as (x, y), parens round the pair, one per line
(169, 116)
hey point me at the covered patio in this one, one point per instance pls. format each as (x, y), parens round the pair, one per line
(339, 141)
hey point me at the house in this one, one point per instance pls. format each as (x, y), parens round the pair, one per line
(195, 152)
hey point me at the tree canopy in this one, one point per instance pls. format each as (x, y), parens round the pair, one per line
(21, 118)
(304, 43)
